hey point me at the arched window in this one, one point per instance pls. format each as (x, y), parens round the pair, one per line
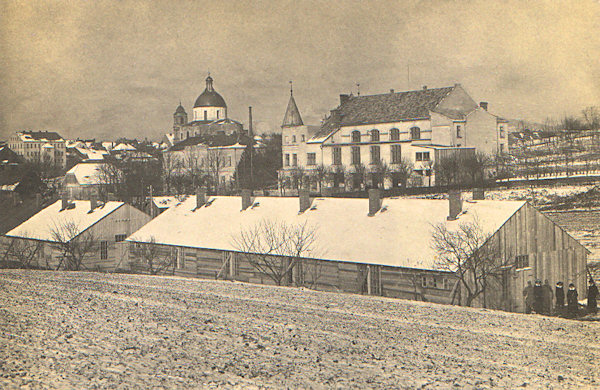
(356, 136)
(394, 135)
(415, 133)
(374, 135)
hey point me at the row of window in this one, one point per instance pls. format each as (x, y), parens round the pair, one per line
(375, 153)
(294, 140)
(415, 134)
(438, 282)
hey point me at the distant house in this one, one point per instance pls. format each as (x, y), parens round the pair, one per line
(368, 246)
(161, 203)
(39, 146)
(105, 224)
(367, 132)
(89, 178)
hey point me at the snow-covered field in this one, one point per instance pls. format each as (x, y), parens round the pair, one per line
(88, 330)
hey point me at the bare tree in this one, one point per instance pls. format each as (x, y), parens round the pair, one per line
(471, 254)
(275, 248)
(153, 258)
(75, 246)
(22, 251)
(591, 117)
(215, 162)
(401, 171)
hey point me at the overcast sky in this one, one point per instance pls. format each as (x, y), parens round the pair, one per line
(106, 69)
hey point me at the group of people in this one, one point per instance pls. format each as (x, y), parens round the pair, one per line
(538, 298)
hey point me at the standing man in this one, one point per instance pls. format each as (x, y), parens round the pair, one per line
(548, 294)
(572, 301)
(528, 294)
(560, 298)
(538, 297)
(592, 295)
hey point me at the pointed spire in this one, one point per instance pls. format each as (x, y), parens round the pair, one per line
(292, 114)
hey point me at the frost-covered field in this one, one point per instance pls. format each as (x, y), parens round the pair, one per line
(87, 330)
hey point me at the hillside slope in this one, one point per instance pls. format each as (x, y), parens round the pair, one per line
(88, 330)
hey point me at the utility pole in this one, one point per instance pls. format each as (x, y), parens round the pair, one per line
(251, 135)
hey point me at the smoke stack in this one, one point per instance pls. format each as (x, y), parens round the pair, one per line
(374, 201)
(483, 105)
(478, 194)
(93, 202)
(200, 198)
(246, 199)
(304, 197)
(65, 201)
(344, 98)
(455, 205)
(250, 129)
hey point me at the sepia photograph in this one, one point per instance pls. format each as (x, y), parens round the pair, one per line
(299, 194)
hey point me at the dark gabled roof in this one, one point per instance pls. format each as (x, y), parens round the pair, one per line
(210, 140)
(49, 135)
(180, 109)
(292, 114)
(384, 108)
(8, 156)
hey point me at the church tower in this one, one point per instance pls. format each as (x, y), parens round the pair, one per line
(180, 116)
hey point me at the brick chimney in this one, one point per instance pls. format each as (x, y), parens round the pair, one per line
(246, 199)
(336, 116)
(305, 202)
(455, 205)
(483, 105)
(344, 98)
(374, 201)
(93, 202)
(200, 198)
(478, 194)
(65, 200)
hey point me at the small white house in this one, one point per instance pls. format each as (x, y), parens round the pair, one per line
(100, 226)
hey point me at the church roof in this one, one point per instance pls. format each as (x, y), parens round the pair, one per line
(180, 109)
(292, 114)
(210, 97)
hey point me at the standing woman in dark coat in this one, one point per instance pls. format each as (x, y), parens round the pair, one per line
(572, 301)
(592, 306)
(560, 298)
(538, 297)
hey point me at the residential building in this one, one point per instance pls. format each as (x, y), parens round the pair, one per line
(103, 225)
(40, 146)
(90, 179)
(367, 246)
(376, 134)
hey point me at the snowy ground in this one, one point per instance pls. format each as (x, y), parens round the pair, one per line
(87, 330)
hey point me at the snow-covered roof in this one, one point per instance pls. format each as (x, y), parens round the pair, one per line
(399, 236)
(42, 224)
(88, 173)
(164, 202)
(123, 146)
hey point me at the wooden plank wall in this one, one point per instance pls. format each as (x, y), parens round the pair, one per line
(321, 275)
(553, 256)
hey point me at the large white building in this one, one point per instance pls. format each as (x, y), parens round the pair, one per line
(39, 146)
(365, 132)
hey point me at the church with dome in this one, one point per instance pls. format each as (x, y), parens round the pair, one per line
(209, 117)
